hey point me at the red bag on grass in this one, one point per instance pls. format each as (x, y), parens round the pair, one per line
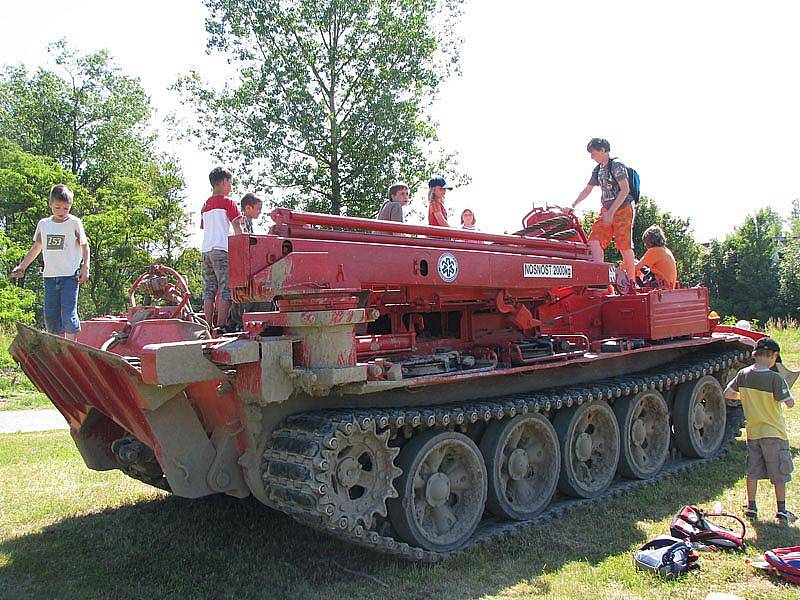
(692, 524)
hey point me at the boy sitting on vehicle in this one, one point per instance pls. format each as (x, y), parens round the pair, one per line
(657, 266)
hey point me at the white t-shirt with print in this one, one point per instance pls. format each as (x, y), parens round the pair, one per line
(61, 245)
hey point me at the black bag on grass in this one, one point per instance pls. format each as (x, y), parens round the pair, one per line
(666, 556)
(692, 524)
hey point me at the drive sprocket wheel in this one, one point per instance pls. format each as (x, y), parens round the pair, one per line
(522, 462)
(699, 417)
(361, 471)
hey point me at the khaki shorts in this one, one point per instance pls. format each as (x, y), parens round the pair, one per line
(215, 275)
(769, 458)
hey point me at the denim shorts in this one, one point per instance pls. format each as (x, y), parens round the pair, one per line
(61, 304)
(215, 275)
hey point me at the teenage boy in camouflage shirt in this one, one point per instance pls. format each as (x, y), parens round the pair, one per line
(618, 209)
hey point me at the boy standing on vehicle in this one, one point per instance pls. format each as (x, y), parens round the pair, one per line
(65, 252)
(762, 392)
(618, 210)
(217, 215)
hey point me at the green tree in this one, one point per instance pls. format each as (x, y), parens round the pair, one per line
(742, 272)
(331, 99)
(86, 115)
(86, 124)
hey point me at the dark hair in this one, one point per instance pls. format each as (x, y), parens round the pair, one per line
(219, 174)
(250, 200)
(598, 144)
(396, 187)
(61, 193)
(654, 236)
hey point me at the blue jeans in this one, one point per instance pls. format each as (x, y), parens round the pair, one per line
(61, 304)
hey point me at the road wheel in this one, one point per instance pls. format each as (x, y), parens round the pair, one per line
(442, 491)
(644, 434)
(699, 417)
(522, 464)
(588, 437)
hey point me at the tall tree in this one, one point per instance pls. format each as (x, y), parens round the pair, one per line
(86, 124)
(330, 103)
(84, 113)
(742, 272)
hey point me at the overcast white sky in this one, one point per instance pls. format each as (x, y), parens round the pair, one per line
(701, 97)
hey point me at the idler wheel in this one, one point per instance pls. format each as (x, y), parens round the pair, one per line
(644, 434)
(588, 438)
(522, 464)
(699, 417)
(442, 491)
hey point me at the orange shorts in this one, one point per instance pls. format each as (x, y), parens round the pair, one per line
(621, 229)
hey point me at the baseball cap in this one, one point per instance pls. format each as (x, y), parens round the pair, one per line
(439, 182)
(767, 343)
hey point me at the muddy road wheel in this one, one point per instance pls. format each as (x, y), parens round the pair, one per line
(588, 438)
(644, 433)
(522, 464)
(699, 417)
(442, 491)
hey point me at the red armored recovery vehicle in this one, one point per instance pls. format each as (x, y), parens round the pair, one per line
(416, 390)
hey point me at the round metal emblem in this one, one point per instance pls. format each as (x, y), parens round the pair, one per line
(448, 267)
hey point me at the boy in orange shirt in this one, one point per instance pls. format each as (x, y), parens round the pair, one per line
(658, 264)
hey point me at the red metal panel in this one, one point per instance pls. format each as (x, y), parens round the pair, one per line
(678, 313)
(319, 264)
(657, 315)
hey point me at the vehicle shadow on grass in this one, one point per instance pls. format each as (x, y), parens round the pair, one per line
(219, 547)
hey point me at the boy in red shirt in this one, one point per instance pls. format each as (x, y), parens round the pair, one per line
(217, 215)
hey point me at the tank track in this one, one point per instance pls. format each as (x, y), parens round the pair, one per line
(297, 477)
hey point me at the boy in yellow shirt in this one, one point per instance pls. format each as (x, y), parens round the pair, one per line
(763, 392)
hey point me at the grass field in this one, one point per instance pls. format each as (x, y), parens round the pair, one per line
(16, 391)
(69, 532)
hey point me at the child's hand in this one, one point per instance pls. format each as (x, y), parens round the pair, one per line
(83, 276)
(17, 271)
(790, 403)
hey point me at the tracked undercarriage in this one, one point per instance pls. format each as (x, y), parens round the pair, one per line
(417, 390)
(306, 477)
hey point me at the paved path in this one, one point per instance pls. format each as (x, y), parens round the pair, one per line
(14, 421)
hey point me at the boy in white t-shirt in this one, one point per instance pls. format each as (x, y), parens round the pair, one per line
(217, 215)
(65, 251)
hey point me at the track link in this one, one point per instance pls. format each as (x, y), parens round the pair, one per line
(297, 472)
